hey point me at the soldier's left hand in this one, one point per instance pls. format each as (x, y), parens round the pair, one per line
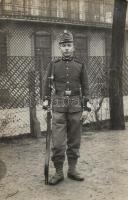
(45, 104)
(89, 106)
(84, 116)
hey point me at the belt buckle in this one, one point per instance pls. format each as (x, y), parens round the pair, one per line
(68, 92)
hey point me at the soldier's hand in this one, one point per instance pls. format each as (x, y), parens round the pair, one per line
(45, 104)
(84, 116)
(88, 107)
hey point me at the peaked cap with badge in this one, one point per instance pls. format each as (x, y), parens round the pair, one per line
(66, 36)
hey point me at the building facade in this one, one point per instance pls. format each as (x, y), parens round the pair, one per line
(29, 40)
(29, 28)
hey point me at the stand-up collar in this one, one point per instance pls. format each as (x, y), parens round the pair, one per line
(68, 58)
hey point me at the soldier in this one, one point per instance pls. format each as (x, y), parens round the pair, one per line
(70, 88)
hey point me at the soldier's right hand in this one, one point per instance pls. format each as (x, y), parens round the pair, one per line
(45, 104)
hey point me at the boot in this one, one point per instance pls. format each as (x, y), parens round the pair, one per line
(58, 176)
(72, 172)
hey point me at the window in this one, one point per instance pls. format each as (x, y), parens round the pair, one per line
(83, 10)
(18, 6)
(94, 11)
(54, 8)
(74, 5)
(27, 9)
(8, 6)
(45, 7)
(108, 12)
(34, 7)
(3, 52)
(65, 8)
(70, 9)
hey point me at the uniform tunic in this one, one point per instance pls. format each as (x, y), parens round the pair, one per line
(70, 77)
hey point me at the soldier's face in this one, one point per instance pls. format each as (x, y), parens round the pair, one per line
(67, 48)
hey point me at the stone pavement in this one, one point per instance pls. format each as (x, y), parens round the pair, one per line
(103, 162)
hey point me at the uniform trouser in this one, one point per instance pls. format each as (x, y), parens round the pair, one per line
(66, 136)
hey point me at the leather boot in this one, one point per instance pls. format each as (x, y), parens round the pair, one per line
(58, 176)
(72, 172)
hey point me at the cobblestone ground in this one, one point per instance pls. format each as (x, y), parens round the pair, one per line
(103, 162)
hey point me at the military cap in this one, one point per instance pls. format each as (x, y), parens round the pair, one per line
(66, 36)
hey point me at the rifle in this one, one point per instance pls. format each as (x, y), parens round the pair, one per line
(49, 132)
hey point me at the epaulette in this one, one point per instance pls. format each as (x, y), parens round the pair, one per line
(77, 60)
(57, 59)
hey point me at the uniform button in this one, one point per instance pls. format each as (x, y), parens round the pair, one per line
(67, 68)
(67, 81)
(67, 74)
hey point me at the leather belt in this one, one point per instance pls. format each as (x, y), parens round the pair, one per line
(68, 93)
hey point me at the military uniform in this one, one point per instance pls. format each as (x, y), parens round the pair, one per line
(70, 82)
